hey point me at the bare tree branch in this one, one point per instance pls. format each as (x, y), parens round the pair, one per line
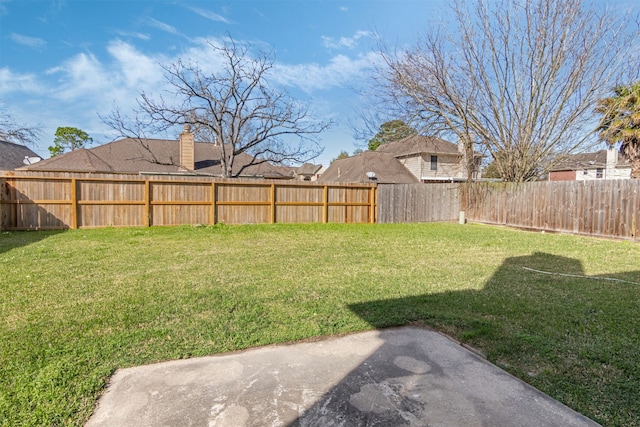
(520, 78)
(12, 131)
(235, 107)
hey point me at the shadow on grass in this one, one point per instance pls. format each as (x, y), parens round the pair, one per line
(570, 336)
(23, 214)
(19, 212)
(10, 240)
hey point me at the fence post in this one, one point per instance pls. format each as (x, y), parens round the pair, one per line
(273, 203)
(74, 203)
(3, 206)
(325, 206)
(212, 215)
(372, 205)
(147, 203)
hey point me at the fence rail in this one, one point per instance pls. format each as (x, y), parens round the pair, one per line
(418, 202)
(608, 208)
(37, 202)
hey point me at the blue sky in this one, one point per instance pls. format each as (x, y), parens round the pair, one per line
(64, 62)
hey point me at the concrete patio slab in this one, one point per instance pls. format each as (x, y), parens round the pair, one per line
(393, 377)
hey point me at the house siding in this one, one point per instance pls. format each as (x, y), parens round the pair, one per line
(614, 173)
(414, 164)
(448, 167)
(584, 167)
(618, 173)
(562, 176)
(591, 174)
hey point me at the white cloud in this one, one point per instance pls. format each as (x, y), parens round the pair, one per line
(344, 42)
(135, 68)
(136, 35)
(209, 15)
(11, 82)
(164, 27)
(82, 76)
(85, 85)
(343, 9)
(341, 71)
(33, 42)
(204, 56)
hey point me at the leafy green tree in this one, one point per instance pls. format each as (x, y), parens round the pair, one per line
(68, 138)
(621, 123)
(390, 131)
(343, 155)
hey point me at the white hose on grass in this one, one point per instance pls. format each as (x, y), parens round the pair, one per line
(611, 279)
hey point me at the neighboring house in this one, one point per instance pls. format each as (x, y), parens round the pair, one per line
(421, 159)
(12, 156)
(368, 166)
(309, 172)
(432, 159)
(603, 164)
(159, 156)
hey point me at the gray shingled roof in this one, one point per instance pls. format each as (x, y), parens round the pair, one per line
(416, 144)
(80, 160)
(308, 169)
(588, 161)
(354, 169)
(12, 155)
(153, 156)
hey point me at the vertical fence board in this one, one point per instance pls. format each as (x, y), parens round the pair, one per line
(418, 202)
(600, 208)
(69, 200)
(32, 201)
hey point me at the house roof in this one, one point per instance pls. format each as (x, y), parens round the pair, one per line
(12, 155)
(308, 169)
(80, 160)
(594, 160)
(387, 169)
(417, 144)
(131, 155)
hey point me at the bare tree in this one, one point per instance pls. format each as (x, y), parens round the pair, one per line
(519, 78)
(12, 131)
(234, 107)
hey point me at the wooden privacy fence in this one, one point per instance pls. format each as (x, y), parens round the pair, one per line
(418, 202)
(30, 202)
(608, 208)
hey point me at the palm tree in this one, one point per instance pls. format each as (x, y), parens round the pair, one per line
(621, 123)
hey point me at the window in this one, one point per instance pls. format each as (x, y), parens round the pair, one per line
(434, 163)
(599, 172)
(585, 172)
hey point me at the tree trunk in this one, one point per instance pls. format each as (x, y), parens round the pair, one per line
(631, 150)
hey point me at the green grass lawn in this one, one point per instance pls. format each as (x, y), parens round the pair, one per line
(77, 305)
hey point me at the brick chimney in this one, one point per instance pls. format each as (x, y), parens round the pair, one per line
(187, 149)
